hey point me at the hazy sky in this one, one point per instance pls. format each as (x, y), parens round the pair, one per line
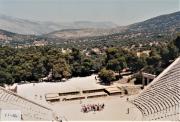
(121, 12)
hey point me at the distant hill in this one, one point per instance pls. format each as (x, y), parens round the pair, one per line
(81, 33)
(95, 25)
(7, 37)
(165, 24)
(22, 26)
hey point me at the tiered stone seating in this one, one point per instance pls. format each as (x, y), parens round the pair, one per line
(29, 109)
(161, 99)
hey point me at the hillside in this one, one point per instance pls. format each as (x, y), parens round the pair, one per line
(163, 23)
(161, 28)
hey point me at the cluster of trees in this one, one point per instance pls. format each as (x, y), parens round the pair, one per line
(118, 59)
(33, 63)
(162, 56)
(159, 58)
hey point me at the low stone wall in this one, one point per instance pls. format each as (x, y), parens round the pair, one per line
(132, 90)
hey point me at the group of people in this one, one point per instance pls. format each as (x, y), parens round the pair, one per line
(92, 107)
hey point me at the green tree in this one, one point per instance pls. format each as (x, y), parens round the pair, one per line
(5, 77)
(61, 69)
(106, 76)
(177, 42)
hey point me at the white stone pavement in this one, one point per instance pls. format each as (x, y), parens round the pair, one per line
(115, 107)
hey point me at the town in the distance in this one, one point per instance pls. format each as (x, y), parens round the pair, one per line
(90, 71)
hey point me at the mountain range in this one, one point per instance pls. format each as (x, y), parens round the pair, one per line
(164, 25)
(22, 26)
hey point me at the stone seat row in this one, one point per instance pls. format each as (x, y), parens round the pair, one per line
(29, 109)
(159, 99)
